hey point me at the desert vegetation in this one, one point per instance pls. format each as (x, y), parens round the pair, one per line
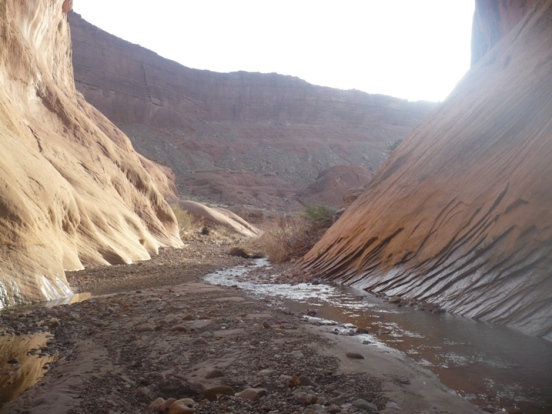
(288, 237)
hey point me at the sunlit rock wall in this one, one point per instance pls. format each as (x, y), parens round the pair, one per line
(461, 213)
(72, 189)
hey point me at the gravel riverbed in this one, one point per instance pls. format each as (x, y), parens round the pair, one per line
(155, 333)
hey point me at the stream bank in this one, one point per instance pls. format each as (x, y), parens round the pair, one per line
(121, 352)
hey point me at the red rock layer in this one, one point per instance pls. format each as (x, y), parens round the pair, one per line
(267, 125)
(72, 189)
(461, 213)
(494, 19)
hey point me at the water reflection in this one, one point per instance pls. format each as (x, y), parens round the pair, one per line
(489, 365)
(23, 362)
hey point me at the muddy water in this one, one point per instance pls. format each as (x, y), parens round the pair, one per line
(23, 363)
(24, 359)
(491, 366)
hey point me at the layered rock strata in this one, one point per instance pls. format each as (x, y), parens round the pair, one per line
(277, 128)
(72, 188)
(461, 213)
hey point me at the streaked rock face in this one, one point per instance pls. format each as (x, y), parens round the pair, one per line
(72, 189)
(493, 20)
(279, 132)
(461, 214)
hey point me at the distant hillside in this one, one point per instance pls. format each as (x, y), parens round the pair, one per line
(276, 130)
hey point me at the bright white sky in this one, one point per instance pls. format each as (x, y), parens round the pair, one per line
(417, 50)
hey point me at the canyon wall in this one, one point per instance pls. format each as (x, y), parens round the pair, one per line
(276, 131)
(72, 189)
(460, 215)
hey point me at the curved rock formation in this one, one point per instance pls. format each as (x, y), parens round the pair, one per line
(72, 189)
(461, 213)
(220, 217)
(252, 123)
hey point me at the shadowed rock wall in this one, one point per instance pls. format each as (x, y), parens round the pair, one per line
(72, 189)
(461, 213)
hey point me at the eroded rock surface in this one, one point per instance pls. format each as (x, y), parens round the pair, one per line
(460, 214)
(72, 188)
(273, 127)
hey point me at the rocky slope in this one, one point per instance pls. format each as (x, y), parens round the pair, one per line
(72, 189)
(460, 214)
(267, 127)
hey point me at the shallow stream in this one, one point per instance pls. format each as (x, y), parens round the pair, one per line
(492, 366)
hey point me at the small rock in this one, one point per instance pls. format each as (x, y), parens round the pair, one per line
(200, 342)
(305, 381)
(297, 354)
(364, 405)
(305, 398)
(166, 405)
(217, 373)
(354, 355)
(341, 399)
(395, 299)
(252, 394)
(402, 380)
(266, 325)
(215, 393)
(178, 328)
(144, 393)
(146, 327)
(188, 317)
(53, 323)
(333, 409)
(156, 404)
(183, 406)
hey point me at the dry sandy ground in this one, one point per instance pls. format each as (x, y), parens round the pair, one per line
(156, 331)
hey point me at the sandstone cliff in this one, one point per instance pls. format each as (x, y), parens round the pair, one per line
(461, 213)
(72, 189)
(276, 130)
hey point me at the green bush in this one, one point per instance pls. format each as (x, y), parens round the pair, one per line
(394, 145)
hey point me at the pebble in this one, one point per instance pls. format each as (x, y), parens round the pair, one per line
(305, 398)
(214, 393)
(54, 323)
(364, 405)
(178, 328)
(217, 373)
(156, 404)
(354, 355)
(183, 406)
(200, 342)
(266, 325)
(252, 394)
(395, 299)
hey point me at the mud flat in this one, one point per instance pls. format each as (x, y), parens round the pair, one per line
(166, 334)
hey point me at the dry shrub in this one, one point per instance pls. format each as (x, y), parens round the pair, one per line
(285, 238)
(186, 222)
(288, 237)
